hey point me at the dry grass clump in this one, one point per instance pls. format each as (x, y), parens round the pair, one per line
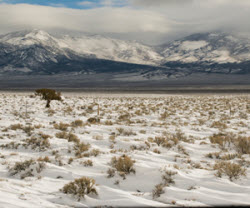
(95, 152)
(62, 135)
(111, 172)
(229, 156)
(123, 164)
(242, 145)
(157, 151)
(125, 132)
(167, 177)
(50, 112)
(108, 123)
(77, 123)
(68, 110)
(112, 139)
(61, 126)
(221, 139)
(93, 120)
(164, 115)
(124, 117)
(160, 140)
(44, 136)
(27, 168)
(213, 155)
(232, 170)
(16, 126)
(80, 149)
(37, 143)
(87, 163)
(44, 159)
(158, 190)
(164, 141)
(219, 125)
(80, 187)
(27, 129)
(68, 136)
(11, 145)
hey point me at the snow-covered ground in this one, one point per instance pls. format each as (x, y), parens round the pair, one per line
(171, 139)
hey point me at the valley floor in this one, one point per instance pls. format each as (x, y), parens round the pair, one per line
(180, 150)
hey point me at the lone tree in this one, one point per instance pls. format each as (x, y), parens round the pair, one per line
(48, 94)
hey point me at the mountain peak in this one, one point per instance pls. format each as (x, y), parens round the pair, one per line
(28, 37)
(38, 34)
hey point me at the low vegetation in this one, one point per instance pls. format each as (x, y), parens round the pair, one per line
(80, 187)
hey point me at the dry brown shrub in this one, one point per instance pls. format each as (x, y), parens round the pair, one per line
(27, 168)
(93, 120)
(219, 125)
(123, 164)
(158, 190)
(77, 123)
(242, 145)
(167, 177)
(232, 170)
(37, 143)
(88, 163)
(44, 159)
(61, 126)
(221, 139)
(81, 148)
(16, 126)
(80, 187)
(69, 136)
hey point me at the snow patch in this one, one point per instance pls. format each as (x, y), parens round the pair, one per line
(193, 45)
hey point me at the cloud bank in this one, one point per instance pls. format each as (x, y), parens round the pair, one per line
(148, 21)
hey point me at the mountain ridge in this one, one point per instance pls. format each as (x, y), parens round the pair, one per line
(38, 52)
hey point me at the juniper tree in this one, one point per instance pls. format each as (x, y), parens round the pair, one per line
(48, 95)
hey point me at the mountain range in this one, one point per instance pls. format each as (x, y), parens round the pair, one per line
(36, 52)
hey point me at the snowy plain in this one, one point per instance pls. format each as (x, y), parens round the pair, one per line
(129, 124)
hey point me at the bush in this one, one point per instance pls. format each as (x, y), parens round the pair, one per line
(93, 120)
(168, 177)
(80, 187)
(73, 138)
(69, 136)
(27, 168)
(232, 170)
(158, 191)
(160, 140)
(77, 123)
(124, 117)
(16, 126)
(221, 139)
(111, 173)
(123, 164)
(37, 143)
(242, 145)
(80, 148)
(219, 125)
(61, 126)
(88, 163)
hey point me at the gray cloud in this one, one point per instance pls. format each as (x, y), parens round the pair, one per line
(159, 3)
(106, 20)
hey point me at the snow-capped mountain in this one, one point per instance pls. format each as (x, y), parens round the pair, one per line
(37, 52)
(207, 47)
(111, 49)
(93, 46)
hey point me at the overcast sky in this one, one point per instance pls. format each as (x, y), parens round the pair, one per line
(148, 21)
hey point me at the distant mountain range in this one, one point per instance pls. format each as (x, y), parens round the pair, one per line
(36, 52)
